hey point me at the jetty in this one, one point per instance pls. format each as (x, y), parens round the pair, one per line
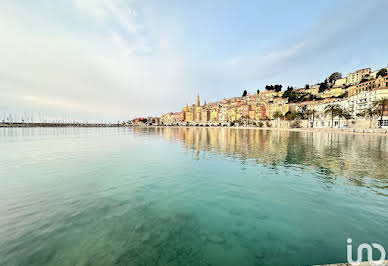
(53, 124)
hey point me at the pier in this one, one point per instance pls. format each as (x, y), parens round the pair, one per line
(59, 125)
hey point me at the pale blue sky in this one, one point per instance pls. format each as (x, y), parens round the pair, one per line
(117, 59)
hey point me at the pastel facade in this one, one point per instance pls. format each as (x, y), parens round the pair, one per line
(357, 76)
(205, 116)
(223, 115)
(354, 98)
(368, 85)
(214, 115)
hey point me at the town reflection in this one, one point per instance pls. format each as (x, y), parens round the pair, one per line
(332, 154)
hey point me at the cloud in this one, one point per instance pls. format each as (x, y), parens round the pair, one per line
(120, 19)
(232, 61)
(111, 73)
(326, 46)
(117, 59)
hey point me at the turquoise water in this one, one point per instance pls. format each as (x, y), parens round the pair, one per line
(188, 196)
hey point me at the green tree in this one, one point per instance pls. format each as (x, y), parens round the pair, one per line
(323, 86)
(333, 77)
(369, 112)
(382, 72)
(341, 113)
(277, 115)
(382, 106)
(332, 109)
(291, 115)
(245, 93)
(278, 88)
(289, 93)
(347, 115)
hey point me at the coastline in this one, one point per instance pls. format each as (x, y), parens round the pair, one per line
(371, 132)
(30, 125)
(384, 132)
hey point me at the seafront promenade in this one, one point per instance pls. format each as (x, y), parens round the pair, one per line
(368, 131)
(376, 131)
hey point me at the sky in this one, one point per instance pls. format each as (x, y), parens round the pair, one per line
(110, 60)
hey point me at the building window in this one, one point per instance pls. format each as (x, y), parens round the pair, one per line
(385, 123)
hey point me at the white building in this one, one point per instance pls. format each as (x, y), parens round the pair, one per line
(355, 105)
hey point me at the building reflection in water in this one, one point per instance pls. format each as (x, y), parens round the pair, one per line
(356, 157)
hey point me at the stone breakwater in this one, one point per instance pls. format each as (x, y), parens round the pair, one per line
(57, 125)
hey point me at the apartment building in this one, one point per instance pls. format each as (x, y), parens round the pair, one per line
(356, 77)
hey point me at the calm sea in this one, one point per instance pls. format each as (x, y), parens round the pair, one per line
(188, 196)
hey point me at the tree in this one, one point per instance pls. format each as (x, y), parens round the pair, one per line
(303, 112)
(340, 113)
(369, 112)
(382, 72)
(323, 86)
(347, 115)
(245, 93)
(307, 86)
(277, 115)
(381, 106)
(288, 93)
(332, 109)
(292, 115)
(278, 88)
(258, 92)
(333, 77)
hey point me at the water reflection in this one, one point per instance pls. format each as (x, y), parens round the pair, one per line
(129, 196)
(353, 156)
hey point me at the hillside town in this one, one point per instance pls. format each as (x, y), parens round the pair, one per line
(358, 100)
